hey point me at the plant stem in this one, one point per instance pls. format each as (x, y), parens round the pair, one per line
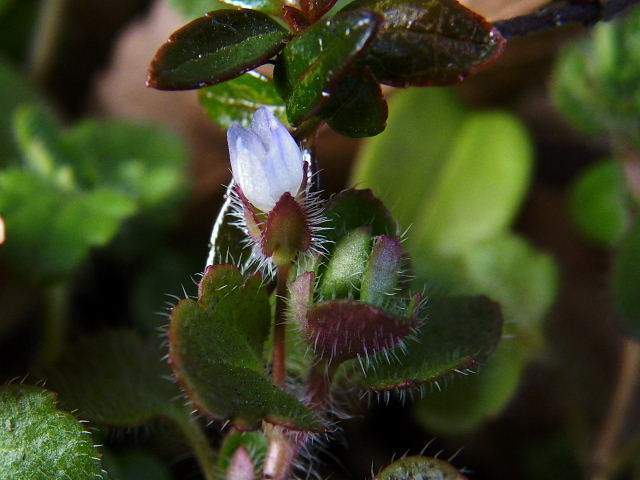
(606, 442)
(45, 37)
(54, 329)
(282, 452)
(280, 328)
(200, 445)
(556, 14)
(319, 385)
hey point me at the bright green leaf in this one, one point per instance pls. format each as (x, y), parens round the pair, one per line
(196, 8)
(220, 46)
(311, 64)
(598, 203)
(419, 468)
(458, 334)
(235, 101)
(216, 346)
(626, 281)
(39, 442)
(429, 42)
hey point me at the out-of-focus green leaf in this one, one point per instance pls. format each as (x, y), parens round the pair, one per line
(196, 8)
(309, 66)
(235, 101)
(598, 203)
(14, 91)
(480, 186)
(220, 46)
(626, 281)
(216, 346)
(459, 333)
(419, 468)
(116, 378)
(404, 162)
(50, 230)
(145, 162)
(136, 465)
(357, 107)
(595, 81)
(429, 42)
(39, 442)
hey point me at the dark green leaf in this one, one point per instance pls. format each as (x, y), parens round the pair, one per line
(235, 101)
(216, 348)
(626, 281)
(357, 107)
(598, 203)
(310, 66)
(136, 465)
(429, 42)
(116, 378)
(39, 442)
(352, 209)
(220, 46)
(420, 468)
(459, 333)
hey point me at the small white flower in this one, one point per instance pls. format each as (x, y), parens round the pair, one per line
(265, 160)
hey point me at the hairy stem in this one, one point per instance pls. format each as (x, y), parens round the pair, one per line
(45, 37)
(560, 13)
(201, 448)
(54, 329)
(280, 328)
(607, 440)
(319, 385)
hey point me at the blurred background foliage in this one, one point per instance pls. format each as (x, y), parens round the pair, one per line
(108, 191)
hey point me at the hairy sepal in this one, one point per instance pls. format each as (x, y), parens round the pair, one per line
(286, 231)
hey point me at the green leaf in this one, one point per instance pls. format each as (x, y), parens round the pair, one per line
(216, 348)
(235, 101)
(116, 378)
(429, 42)
(136, 465)
(403, 164)
(419, 468)
(626, 281)
(459, 333)
(14, 91)
(311, 64)
(255, 443)
(347, 263)
(598, 203)
(39, 442)
(50, 231)
(357, 107)
(480, 186)
(352, 209)
(145, 162)
(220, 46)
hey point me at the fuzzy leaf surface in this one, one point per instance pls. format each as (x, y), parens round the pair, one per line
(220, 46)
(309, 66)
(235, 101)
(429, 42)
(420, 468)
(216, 346)
(626, 279)
(459, 333)
(40, 442)
(357, 107)
(116, 378)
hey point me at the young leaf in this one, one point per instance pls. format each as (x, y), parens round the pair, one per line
(220, 46)
(429, 42)
(357, 107)
(116, 378)
(459, 333)
(310, 66)
(626, 281)
(380, 278)
(254, 445)
(235, 101)
(216, 348)
(419, 468)
(38, 441)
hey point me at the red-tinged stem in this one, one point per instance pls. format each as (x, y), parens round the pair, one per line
(319, 386)
(280, 328)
